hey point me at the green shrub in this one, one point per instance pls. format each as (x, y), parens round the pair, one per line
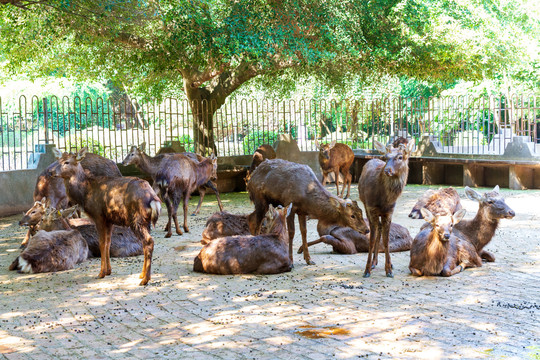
(186, 141)
(79, 142)
(258, 137)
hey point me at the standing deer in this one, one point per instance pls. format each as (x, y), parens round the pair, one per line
(262, 153)
(280, 182)
(439, 202)
(177, 178)
(108, 201)
(151, 165)
(336, 158)
(380, 185)
(246, 254)
(437, 251)
(345, 240)
(480, 230)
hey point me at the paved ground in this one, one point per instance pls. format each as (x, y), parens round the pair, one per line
(491, 312)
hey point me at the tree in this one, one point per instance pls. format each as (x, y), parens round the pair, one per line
(209, 48)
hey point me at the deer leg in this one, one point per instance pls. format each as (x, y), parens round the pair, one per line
(301, 248)
(448, 271)
(186, 203)
(26, 238)
(415, 272)
(385, 236)
(348, 178)
(373, 239)
(202, 192)
(104, 231)
(290, 229)
(175, 215)
(336, 178)
(375, 259)
(303, 232)
(486, 255)
(213, 186)
(168, 228)
(339, 245)
(148, 250)
(261, 207)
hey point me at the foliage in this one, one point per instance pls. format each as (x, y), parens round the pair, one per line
(258, 137)
(78, 142)
(186, 141)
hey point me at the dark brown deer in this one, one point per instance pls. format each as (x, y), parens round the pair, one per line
(480, 230)
(336, 158)
(439, 202)
(177, 178)
(246, 254)
(222, 224)
(345, 240)
(50, 251)
(262, 153)
(150, 165)
(381, 184)
(124, 243)
(280, 182)
(437, 251)
(52, 188)
(108, 201)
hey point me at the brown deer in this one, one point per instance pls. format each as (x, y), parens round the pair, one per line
(108, 201)
(150, 165)
(337, 158)
(345, 240)
(124, 243)
(246, 254)
(222, 224)
(280, 182)
(439, 202)
(380, 185)
(177, 178)
(262, 153)
(437, 251)
(50, 251)
(480, 230)
(53, 189)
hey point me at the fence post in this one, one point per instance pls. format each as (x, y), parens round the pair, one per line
(45, 121)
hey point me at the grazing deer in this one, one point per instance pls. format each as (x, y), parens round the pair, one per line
(177, 178)
(262, 153)
(345, 240)
(480, 230)
(439, 202)
(280, 182)
(437, 251)
(50, 251)
(108, 201)
(381, 184)
(151, 165)
(336, 158)
(246, 254)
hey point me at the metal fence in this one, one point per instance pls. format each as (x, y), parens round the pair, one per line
(463, 125)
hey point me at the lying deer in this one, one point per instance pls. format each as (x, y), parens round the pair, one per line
(108, 201)
(439, 202)
(480, 230)
(345, 240)
(281, 182)
(437, 251)
(51, 251)
(337, 158)
(381, 184)
(246, 254)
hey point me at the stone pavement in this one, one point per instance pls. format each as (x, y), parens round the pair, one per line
(314, 312)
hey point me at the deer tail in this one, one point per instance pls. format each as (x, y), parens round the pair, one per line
(155, 208)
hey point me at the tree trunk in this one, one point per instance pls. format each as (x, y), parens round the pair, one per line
(203, 126)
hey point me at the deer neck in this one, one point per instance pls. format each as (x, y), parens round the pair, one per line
(436, 253)
(77, 187)
(481, 228)
(148, 164)
(204, 168)
(396, 183)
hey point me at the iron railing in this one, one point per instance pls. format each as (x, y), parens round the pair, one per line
(463, 125)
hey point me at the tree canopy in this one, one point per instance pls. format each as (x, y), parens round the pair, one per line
(209, 48)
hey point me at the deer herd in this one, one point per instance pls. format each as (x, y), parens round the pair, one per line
(121, 211)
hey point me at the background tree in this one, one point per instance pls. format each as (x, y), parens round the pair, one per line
(209, 48)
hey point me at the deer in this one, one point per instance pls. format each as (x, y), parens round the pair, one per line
(436, 250)
(53, 189)
(281, 182)
(222, 224)
(124, 243)
(347, 241)
(51, 251)
(444, 201)
(262, 153)
(245, 254)
(381, 184)
(480, 230)
(337, 158)
(150, 165)
(177, 179)
(108, 201)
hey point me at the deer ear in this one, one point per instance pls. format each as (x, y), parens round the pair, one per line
(380, 147)
(289, 208)
(335, 202)
(410, 147)
(458, 216)
(332, 144)
(67, 213)
(428, 216)
(57, 153)
(82, 153)
(133, 148)
(472, 194)
(142, 146)
(496, 189)
(317, 145)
